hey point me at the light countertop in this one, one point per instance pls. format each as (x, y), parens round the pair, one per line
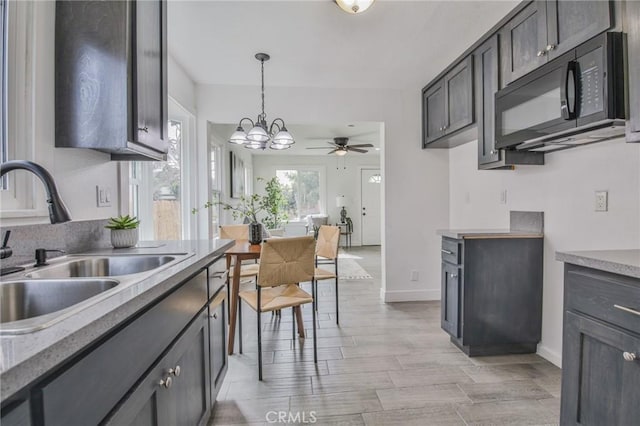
(623, 262)
(26, 357)
(486, 233)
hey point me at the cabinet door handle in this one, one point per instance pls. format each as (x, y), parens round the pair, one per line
(454, 275)
(629, 310)
(175, 371)
(629, 356)
(144, 129)
(214, 315)
(541, 53)
(166, 383)
(493, 151)
(446, 251)
(550, 47)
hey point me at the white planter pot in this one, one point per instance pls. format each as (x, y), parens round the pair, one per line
(123, 238)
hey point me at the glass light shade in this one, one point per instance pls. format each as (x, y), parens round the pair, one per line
(354, 6)
(341, 152)
(257, 134)
(279, 146)
(239, 137)
(283, 137)
(255, 145)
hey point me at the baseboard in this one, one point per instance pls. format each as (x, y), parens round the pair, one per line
(551, 356)
(409, 295)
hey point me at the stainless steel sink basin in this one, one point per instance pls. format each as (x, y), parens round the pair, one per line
(24, 299)
(111, 266)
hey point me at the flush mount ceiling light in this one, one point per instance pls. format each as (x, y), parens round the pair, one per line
(354, 6)
(260, 134)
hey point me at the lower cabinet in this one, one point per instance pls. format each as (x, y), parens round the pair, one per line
(492, 294)
(16, 414)
(600, 349)
(218, 342)
(176, 390)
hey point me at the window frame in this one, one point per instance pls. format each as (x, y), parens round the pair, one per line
(322, 180)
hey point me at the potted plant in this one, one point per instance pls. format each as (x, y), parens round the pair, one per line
(246, 209)
(274, 204)
(124, 231)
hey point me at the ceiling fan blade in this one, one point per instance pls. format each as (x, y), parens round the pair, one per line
(361, 145)
(331, 152)
(357, 150)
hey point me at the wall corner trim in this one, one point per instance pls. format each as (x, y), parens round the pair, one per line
(551, 356)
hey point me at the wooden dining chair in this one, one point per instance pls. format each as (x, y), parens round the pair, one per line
(284, 264)
(248, 271)
(327, 253)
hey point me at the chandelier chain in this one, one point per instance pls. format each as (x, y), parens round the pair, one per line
(264, 116)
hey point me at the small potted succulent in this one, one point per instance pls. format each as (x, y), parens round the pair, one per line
(124, 231)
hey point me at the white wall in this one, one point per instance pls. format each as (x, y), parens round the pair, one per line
(338, 180)
(564, 190)
(181, 87)
(416, 187)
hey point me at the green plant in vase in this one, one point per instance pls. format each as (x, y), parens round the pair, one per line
(124, 231)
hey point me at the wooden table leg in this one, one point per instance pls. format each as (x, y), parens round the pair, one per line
(235, 289)
(300, 321)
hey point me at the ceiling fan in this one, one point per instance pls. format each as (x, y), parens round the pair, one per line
(340, 146)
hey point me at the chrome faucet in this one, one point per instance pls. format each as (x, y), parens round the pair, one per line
(58, 212)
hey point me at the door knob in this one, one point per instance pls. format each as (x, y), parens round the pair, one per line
(364, 214)
(175, 371)
(541, 53)
(166, 383)
(550, 47)
(629, 356)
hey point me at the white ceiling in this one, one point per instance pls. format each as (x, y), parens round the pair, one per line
(395, 44)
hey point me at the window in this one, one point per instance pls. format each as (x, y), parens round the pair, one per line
(3, 89)
(215, 159)
(160, 190)
(304, 190)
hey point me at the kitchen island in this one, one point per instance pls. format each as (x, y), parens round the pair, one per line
(601, 337)
(83, 365)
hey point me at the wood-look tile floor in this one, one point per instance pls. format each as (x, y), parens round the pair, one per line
(386, 364)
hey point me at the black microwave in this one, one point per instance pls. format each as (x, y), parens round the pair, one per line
(575, 99)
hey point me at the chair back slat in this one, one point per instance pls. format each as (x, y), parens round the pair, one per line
(234, 232)
(286, 261)
(328, 240)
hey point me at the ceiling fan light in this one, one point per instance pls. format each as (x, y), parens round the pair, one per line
(257, 134)
(354, 6)
(283, 137)
(239, 137)
(341, 152)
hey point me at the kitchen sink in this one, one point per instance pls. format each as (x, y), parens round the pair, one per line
(108, 266)
(24, 299)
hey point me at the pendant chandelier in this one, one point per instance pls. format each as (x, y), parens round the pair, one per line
(260, 134)
(354, 6)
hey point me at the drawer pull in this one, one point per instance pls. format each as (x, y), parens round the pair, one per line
(174, 371)
(629, 310)
(629, 356)
(166, 383)
(447, 252)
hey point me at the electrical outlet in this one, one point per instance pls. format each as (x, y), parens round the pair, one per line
(414, 275)
(103, 196)
(602, 201)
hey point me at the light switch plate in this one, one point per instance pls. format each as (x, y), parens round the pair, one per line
(602, 201)
(103, 196)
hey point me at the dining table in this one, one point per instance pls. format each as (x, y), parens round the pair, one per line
(242, 251)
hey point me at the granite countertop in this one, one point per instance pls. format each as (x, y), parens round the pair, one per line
(623, 262)
(25, 357)
(487, 233)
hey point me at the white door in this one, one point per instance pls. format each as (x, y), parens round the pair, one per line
(370, 187)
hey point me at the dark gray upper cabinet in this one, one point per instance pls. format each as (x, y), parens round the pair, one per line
(522, 42)
(433, 113)
(600, 376)
(448, 107)
(545, 30)
(111, 77)
(632, 28)
(487, 79)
